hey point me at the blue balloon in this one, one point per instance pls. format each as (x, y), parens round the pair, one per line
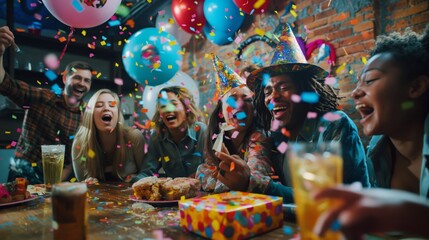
(223, 15)
(218, 37)
(150, 58)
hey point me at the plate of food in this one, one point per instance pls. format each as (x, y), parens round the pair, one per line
(15, 192)
(29, 199)
(164, 191)
(160, 203)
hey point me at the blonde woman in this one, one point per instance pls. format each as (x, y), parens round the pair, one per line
(177, 144)
(103, 147)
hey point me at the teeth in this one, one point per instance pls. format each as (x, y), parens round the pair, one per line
(359, 106)
(279, 108)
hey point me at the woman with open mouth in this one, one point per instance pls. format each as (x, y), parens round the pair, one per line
(392, 96)
(103, 147)
(176, 145)
(232, 131)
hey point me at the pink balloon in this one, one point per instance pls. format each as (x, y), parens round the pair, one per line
(82, 13)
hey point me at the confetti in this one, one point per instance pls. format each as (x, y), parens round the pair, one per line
(282, 147)
(330, 81)
(311, 115)
(330, 116)
(119, 81)
(77, 5)
(91, 153)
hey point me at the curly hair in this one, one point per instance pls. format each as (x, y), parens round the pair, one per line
(193, 113)
(304, 82)
(409, 49)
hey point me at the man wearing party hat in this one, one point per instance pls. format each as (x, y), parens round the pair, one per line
(293, 104)
(232, 134)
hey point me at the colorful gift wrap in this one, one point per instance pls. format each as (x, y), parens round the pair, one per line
(231, 215)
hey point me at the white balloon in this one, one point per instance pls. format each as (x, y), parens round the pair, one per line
(150, 93)
(166, 22)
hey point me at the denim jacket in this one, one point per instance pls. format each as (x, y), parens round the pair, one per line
(177, 160)
(380, 162)
(319, 129)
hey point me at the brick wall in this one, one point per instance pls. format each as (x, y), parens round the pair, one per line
(351, 33)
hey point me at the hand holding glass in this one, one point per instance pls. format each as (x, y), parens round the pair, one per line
(314, 166)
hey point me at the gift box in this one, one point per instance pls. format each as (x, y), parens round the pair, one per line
(231, 215)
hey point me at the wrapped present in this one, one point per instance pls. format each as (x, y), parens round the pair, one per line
(231, 215)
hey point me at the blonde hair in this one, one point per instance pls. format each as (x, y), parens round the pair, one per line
(193, 113)
(86, 146)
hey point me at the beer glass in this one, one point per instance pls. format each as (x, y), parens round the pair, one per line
(53, 162)
(314, 166)
(69, 209)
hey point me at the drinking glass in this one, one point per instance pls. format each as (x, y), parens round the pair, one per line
(53, 162)
(69, 210)
(314, 166)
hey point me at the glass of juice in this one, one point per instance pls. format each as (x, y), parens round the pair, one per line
(314, 166)
(53, 162)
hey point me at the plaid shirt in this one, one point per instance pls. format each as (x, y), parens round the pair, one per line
(48, 120)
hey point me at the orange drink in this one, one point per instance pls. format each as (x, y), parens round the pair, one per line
(314, 166)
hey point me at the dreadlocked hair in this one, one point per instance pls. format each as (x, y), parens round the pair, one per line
(408, 49)
(305, 81)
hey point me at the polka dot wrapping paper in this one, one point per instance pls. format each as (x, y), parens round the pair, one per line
(231, 215)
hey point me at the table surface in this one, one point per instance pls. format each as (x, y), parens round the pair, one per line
(111, 216)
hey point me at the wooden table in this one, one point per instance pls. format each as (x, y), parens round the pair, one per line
(111, 216)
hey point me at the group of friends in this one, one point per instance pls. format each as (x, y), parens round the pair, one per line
(242, 146)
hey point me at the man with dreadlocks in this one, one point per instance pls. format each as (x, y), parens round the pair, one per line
(294, 104)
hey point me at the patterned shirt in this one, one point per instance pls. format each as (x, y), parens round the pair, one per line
(48, 120)
(257, 156)
(177, 159)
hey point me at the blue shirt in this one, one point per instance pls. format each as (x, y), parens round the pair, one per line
(343, 130)
(380, 161)
(177, 160)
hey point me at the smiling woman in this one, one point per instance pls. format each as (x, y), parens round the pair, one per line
(103, 147)
(392, 96)
(176, 146)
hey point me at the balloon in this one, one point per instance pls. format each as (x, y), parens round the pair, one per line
(82, 13)
(149, 58)
(150, 93)
(189, 15)
(223, 15)
(218, 37)
(256, 6)
(166, 22)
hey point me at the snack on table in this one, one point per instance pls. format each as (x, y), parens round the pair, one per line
(14, 191)
(149, 188)
(181, 186)
(156, 189)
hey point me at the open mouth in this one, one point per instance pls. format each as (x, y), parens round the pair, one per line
(170, 118)
(79, 91)
(364, 110)
(277, 111)
(107, 118)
